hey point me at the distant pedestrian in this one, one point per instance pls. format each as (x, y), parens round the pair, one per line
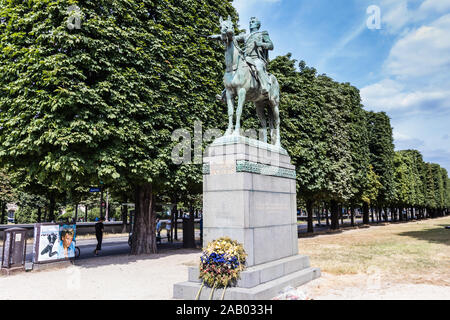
(158, 230)
(99, 227)
(169, 230)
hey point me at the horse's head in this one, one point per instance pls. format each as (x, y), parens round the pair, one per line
(226, 28)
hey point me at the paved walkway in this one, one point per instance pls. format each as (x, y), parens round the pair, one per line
(105, 277)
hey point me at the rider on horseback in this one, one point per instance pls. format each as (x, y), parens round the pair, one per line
(257, 46)
(256, 52)
(247, 79)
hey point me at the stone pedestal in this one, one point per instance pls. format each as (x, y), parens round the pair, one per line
(249, 195)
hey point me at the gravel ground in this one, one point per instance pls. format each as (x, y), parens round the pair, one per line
(369, 287)
(118, 277)
(153, 277)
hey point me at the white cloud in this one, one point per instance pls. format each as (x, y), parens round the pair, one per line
(422, 52)
(390, 95)
(439, 6)
(417, 71)
(415, 91)
(427, 134)
(395, 14)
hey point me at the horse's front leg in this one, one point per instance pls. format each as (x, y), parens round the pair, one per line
(241, 100)
(230, 104)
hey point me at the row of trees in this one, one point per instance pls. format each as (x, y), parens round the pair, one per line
(97, 106)
(344, 155)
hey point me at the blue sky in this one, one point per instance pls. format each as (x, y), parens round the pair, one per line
(403, 68)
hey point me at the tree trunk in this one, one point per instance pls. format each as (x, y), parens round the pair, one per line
(309, 209)
(51, 209)
(39, 214)
(176, 224)
(172, 219)
(124, 214)
(76, 213)
(334, 215)
(144, 230)
(3, 209)
(365, 213)
(86, 213)
(352, 214)
(327, 217)
(101, 202)
(393, 215)
(189, 230)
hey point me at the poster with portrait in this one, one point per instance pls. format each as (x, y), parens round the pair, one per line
(54, 242)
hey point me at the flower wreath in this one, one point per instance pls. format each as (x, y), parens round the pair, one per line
(221, 263)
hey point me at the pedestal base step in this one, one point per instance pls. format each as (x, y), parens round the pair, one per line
(265, 291)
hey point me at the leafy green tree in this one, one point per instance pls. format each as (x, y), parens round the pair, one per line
(324, 131)
(7, 195)
(364, 182)
(370, 192)
(439, 194)
(430, 200)
(419, 182)
(99, 103)
(381, 148)
(29, 207)
(302, 127)
(447, 201)
(403, 180)
(445, 190)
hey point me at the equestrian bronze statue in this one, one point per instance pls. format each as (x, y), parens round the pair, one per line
(246, 77)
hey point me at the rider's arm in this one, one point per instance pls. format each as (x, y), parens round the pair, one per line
(267, 43)
(240, 37)
(215, 37)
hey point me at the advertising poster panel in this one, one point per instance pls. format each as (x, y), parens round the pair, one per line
(54, 242)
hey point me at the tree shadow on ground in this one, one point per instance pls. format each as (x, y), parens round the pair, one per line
(342, 229)
(125, 258)
(438, 234)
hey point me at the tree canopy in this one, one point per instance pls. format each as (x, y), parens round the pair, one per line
(97, 104)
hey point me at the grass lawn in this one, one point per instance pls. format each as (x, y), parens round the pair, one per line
(414, 252)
